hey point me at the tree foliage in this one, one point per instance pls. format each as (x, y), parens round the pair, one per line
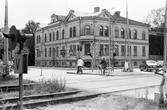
(155, 19)
(30, 28)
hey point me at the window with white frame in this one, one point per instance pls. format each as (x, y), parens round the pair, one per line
(116, 32)
(50, 36)
(135, 50)
(45, 37)
(135, 34)
(87, 30)
(106, 50)
(106, 32)
(45, 52)
(101, 50)
(122, 33)
(143, 51)
(57, 51)
(70, 32)
(122, 50)
(117, 50)
(129, 51)
(63, 33)
(50, 51)
(74, 31)
(129, 34)
(53, 36)
(57, 35)
(101, 30)
(143, 36)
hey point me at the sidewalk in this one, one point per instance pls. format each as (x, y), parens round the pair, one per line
(116, 72)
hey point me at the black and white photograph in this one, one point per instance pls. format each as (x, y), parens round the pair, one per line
(83, 54)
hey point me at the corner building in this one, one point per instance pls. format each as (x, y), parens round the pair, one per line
(66, 38)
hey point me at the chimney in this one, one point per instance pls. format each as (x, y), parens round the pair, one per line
(117, 13)
(96, 9)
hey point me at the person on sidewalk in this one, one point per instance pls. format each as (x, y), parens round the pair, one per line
(103, 63)
(79, 66)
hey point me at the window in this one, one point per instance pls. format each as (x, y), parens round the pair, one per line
(71, 50)
(106, 52)
(57, 51)
(143, 36)
(135, 50)
(74, 31)
(101, 50)
(129, 34)
(143, 51)
(63, 34)
(87, 49)
(71, 32)
(45, 37)
(135, 34)
(38, 53)
(117, 50)
(53, 36)
(116, 32)
(39, 38)
(101, 30)
(74, 49)
(57, 35)
(122, 33)
(129, 51)
(135, 63)
(45, 52)
(50, 36)
(106, 32)
(87, 30)
(50, 52)
(122, 50)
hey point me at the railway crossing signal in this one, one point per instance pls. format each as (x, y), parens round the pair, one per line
(21, 59)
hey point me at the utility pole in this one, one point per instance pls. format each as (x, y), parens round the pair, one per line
(127, 33)
(41, 51)
(163, 85)
(110, 42)
(6, 30)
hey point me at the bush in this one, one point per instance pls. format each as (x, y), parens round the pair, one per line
(50, 85)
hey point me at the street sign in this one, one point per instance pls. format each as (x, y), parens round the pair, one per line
(20, 63)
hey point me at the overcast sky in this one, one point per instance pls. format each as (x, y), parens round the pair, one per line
(20, 11)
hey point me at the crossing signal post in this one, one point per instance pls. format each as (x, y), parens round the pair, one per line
(21, 59)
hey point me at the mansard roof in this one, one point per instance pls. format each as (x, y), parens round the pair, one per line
(131, 22)
(74, 15)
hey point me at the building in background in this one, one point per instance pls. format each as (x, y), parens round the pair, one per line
(66, 38)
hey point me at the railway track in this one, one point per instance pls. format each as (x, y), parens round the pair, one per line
(45, 99)
(9, 88)
(54, 98)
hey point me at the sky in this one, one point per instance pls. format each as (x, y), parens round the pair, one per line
(21, 11)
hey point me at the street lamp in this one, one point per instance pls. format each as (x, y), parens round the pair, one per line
(41, 51)
(110, 39)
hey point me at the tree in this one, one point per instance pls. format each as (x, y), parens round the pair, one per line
(30, 28)
(155, 19)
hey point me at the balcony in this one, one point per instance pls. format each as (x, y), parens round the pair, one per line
(86, 38)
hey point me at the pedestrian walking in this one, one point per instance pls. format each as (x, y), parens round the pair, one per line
(103, 63)
(79, 66)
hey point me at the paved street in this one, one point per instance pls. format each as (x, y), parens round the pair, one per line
(119, 83)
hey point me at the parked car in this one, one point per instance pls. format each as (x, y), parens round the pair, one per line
(160, 63)
(148, 65)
